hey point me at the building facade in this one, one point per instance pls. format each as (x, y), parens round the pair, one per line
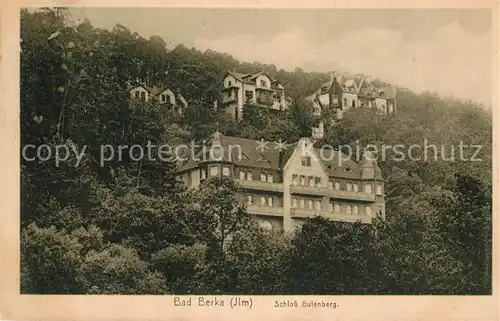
(162, 95)
(283, 187)
(343, 92)
(256, 89)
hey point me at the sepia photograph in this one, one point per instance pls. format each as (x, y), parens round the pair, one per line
(217, 154)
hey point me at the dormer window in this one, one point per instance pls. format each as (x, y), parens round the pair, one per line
(229, 83)
(262, 159)
(242, 156)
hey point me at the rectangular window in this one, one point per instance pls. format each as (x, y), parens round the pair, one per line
(356, 187)
(250, 200)
(349, 187)
(310, 204)
(311, 181)
(379, 189)
(349, 209)
(262, 201)
(302, 180)
(242, 175)
(337, 186)
(262, 177)
(263, 83)
(336, 208)
(294, 202)
(137, 95)
(249, 176)
(143, 95)
(368, 210)
(203, 174)
(270, 201)
(353, 103)
(317, 181)
(270, 178)
(249, 94)
(317, 206)
(302, 203)
(294, 179)
(355, 210)
(368, 188)
(163, 98)
(225, 171)
(214, 171)
(330, 184)
(306, 161)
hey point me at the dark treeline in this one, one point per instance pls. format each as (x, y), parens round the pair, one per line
(131, 227)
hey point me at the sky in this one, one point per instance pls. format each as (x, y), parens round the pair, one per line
(448, 51)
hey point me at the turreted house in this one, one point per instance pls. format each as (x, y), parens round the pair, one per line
(343, 92)
(282, 187)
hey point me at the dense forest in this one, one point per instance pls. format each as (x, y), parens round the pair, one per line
(127, 228)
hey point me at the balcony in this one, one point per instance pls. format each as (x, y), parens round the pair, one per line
(265, 210)
(260, 186)
(305, 213)
(227, 100)
(350, 195)
(336, 216)
(309, 190)
(265, 100)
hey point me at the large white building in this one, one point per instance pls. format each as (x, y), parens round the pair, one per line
(283, 187)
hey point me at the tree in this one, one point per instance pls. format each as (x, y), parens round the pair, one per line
(50, 262)
(465, 224)
(330, 257)
(119, 270)
(219, 213)
(181, 267)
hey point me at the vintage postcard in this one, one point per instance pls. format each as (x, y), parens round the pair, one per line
(250, 160)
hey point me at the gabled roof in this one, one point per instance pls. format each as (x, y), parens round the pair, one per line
(335, 163)
(249, 78)
(253, 156)
(133, 86)
(239, 76)
(252, 77)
